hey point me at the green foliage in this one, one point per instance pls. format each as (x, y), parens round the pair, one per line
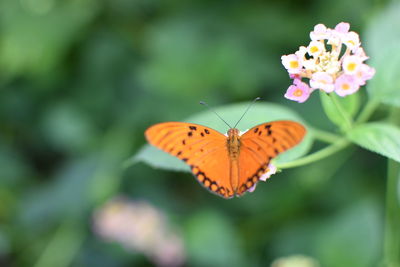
(361, 221)
(68, 239)
(36, 35)
(382, 138)
(216, 244)
(357, 226)
(182, 53)
(382, 43)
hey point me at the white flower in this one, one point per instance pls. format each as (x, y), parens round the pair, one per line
(292, 63)
(351, 40)
(323, 81)
(351, 64)
(320, 32)
(315, 48)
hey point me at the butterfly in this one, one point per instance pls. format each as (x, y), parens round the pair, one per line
(231, 164)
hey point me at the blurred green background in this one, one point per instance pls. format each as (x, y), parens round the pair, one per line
(81, 80)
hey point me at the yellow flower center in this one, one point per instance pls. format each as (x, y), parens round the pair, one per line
(351, 66)
(294, 64)
(345, 86)
(314, 49)
(298, 93)
(328, 62)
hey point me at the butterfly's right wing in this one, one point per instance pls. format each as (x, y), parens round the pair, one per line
(260, 145)
(202, 148)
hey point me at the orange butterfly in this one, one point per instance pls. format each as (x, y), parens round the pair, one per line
(226, 165)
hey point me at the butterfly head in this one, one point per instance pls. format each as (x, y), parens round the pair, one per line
(233, 132)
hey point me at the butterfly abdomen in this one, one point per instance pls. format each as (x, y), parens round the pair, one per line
(233, 144)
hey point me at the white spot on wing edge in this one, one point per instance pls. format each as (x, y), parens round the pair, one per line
(241, 133)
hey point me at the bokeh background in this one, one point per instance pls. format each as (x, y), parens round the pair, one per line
(80, 81)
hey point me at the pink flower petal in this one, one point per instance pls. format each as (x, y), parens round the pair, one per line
(364, 73)
(299, 91)
(271, 170)
(251, 189)
(342, 27)
(346, 85)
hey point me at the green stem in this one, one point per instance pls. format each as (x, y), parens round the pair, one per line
(368, 110)
(391, 247)
(323, 153)
(342, 112)
(392, 225)
(324, 136)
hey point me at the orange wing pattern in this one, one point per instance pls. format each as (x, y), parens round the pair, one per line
(202, 148)
(260, 145)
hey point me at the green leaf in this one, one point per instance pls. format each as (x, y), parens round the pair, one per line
(158, 159)
(259, 113)
(382, 44)
(382, 138)
(350, 104)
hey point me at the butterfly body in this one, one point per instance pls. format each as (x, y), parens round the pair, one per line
(231, 164)
(233, 143)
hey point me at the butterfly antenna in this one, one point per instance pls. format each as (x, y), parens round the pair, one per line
(205, 104)
(248, 107)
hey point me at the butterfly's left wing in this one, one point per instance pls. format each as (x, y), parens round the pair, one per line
(200, 147)
(260, 145)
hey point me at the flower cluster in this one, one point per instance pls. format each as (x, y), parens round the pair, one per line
(140, 227)
(332, 62)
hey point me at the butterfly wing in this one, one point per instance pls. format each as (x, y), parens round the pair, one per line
(260, 145)
(202, 148)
